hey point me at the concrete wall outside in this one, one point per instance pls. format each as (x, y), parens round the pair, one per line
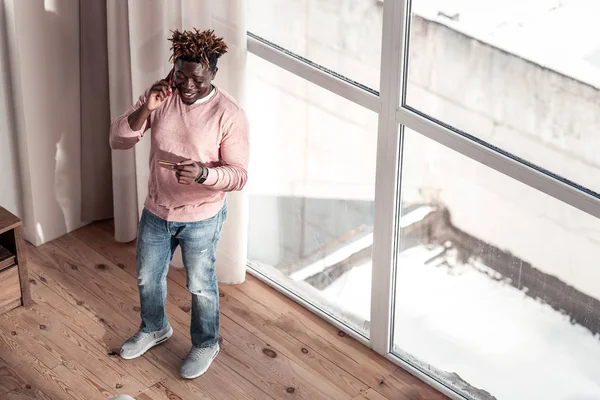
(539, 115)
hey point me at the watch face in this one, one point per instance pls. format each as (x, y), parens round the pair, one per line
(203, 175)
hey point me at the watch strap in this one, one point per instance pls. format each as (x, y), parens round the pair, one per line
(203, 175)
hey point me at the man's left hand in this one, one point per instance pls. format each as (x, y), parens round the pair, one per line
(187, 172)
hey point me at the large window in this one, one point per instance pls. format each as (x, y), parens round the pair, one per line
(495, 291)
(343, 36)
(425, 176)
(311, 198)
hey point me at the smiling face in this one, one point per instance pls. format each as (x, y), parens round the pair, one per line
(192, 80)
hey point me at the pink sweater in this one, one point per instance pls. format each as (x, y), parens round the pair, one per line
(213, 133)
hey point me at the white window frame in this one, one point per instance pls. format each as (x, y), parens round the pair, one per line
(394, 115)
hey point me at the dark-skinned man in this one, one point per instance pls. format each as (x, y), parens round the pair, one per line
(199, 152)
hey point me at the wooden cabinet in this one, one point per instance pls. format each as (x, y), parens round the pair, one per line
(14, 282)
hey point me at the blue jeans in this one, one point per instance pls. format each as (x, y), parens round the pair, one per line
(157, 241)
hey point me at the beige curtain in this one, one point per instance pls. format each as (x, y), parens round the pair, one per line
(138, 54)
(96, 182)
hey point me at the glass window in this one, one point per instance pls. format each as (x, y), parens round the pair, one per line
(341, 35)
(497, 289)
(523, 76)
(312, 191)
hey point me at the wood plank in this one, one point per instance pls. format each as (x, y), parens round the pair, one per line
(10, 288)
(286, 377)
(7, 259)
(10, 306)
(9, 379)
(107, 327)
(268, 381)
(107, 225)
(73, 347)
(255, 319)
(81, 381)
(8, 221)
(182, 298)
(152, 394)
(117, 328)
(108, 299)
(27, 393)
(324, 335)
(34, 371)
(27, 335)
(78, 294)
(102, 242)
(354, 363)
(27, 338)
(218, 382)
(87, 266)
(222, 382)
(171, 389)
(120, 286)
(112, 253)
(98, 339)
(355, 358)
(370, 394)
(120, 254)
(114, 285)
(7, 263)
(23, 266)
(88, 305)
(401, 385)
(276, 386)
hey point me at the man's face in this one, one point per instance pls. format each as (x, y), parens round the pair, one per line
(193, 81)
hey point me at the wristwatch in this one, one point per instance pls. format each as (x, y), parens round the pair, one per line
(203, 175)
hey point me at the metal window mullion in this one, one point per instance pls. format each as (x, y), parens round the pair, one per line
(314, 75)
(387, 184)
(494, 159)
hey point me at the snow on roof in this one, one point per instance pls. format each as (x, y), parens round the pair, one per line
(561, 35)
(462, 319)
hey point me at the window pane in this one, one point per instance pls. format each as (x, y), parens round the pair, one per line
(312, 185)
(341, 35)
(520, 75)
(497, 284)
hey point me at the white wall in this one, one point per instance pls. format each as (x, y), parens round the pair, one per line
(9, 183)
(44, 43)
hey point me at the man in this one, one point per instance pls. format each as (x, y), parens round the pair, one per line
(199, 152)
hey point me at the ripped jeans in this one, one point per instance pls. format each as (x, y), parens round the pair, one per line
(157, 241)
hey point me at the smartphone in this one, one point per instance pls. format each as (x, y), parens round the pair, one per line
(167, 163)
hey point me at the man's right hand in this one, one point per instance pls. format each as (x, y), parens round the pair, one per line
(157, 95)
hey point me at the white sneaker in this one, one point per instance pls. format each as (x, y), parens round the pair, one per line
(141, 342)
(198, 361)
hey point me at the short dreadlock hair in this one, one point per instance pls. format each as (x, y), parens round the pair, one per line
(203, 47)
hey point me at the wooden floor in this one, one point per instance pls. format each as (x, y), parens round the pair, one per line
(85, 304)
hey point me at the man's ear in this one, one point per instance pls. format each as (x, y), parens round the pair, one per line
(214, 73)
(169, 77)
